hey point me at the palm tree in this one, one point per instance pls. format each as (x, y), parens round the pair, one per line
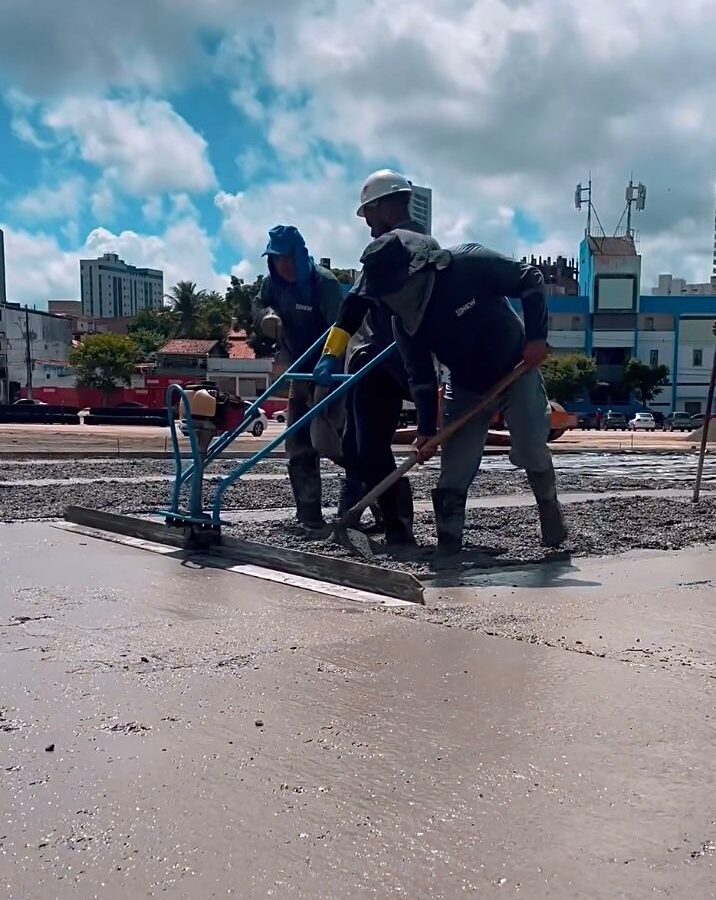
(187, 303)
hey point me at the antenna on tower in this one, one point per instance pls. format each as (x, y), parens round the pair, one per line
(579, 198)
(635, 197)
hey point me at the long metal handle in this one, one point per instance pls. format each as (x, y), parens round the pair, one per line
(343, 387)
(443, 435)
(705, 435)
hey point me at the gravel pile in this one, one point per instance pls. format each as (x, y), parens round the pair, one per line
(138, 493)
(510, 536)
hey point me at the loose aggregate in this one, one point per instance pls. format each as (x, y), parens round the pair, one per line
(130, 486)
(509, 536)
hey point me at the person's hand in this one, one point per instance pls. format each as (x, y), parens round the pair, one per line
(271, 326)
(535, 353)
(424, 455)
(326, 367)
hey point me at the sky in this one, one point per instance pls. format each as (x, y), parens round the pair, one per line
(176, 133)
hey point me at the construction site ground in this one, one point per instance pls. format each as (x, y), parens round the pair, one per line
(542, 728)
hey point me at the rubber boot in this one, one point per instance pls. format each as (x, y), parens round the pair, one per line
(551, 520)
(396, 505)
(378, 523)
(449, 506)
(351, 492)
(304, 473)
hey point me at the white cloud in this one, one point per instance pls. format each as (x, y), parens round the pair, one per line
(142, 146)
(58, 201)
(504, 103)
(316, 205)
(39, 269)
(93, 46)
(153, 210)
(103, 201)
(183, 252)
(499, 105)
(22, 110)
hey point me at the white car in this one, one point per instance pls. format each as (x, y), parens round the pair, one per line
(258, 425)
(280, 416)
(643, 421)
(260, 422)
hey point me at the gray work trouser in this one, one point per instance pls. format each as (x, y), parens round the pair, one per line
(324, 435)
(527, 416)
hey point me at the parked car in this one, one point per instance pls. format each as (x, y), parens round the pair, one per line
(587, 420)
(26, 402)
(678, 421)
(642, 421)
(698, 420)
(614, 422)
(260, 422)
(280, 416)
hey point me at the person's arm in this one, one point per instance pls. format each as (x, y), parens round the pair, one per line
(266, 319)
(525, 283)
(418, 358)
(347, 322)
(330, 300)
(510, 278)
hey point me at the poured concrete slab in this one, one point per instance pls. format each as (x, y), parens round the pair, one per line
(169, 731)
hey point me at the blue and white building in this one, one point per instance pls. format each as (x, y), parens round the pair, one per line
(613, 321)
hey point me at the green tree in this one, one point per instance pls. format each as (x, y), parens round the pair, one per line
(187, 303)
(240, 297)
(105, 361)
(215, 318)
(152, 328)
(568, 377)
(646, 381)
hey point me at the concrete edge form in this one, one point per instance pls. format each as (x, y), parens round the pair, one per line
(341, 573)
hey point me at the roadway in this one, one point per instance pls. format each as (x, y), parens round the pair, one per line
(117, 439)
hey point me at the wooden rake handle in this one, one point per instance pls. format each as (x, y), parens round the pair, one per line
(443, 435)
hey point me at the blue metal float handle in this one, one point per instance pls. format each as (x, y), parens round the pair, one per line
(343, 388)
(195, 505)
(221, 443)
(308, 376)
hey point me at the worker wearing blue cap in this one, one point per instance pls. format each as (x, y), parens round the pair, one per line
(298, 301)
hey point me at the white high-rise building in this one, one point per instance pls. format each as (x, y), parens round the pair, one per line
(421, 207)
(714, 268)
(3, 289)
(110, 289)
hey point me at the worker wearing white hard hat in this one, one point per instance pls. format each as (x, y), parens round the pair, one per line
(379, 185)
(375, 406)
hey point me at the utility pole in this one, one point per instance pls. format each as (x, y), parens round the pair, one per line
(5, 363)
(28, 353)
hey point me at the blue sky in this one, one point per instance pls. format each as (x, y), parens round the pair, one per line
(180, 134)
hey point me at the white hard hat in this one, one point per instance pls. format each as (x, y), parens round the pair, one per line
(381, 184)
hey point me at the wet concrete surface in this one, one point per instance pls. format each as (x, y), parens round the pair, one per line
(214, 735)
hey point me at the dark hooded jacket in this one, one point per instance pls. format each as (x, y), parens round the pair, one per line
(451, 305)
(306, 307)
(375, 332)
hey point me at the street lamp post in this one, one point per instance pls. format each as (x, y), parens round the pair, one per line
(28, 353)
